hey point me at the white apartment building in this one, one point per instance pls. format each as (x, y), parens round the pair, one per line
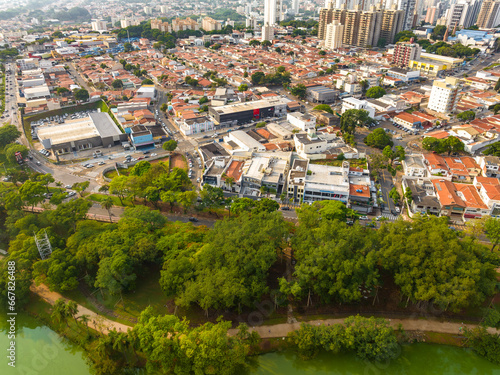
(303, 121)
(334, 35)
(196, 125)
(353, 103)
(267, 32)
(99, 25)
(444, 95)
(310, 143)
(126, 23)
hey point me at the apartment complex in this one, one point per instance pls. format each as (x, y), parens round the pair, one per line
(362, 28)
(177, 25)
(334, 35)
(99, 25)
(392, 23)
(404, 52)
(463, 13)
(488, 15)
(408, 9)
(444, 95)
(209, 24)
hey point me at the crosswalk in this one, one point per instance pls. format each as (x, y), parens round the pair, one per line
(390, 216)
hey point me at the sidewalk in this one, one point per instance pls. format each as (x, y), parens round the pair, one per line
(96, 321)
(282, 330)
(104, 325)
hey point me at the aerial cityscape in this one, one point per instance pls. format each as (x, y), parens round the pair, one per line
(262, 187)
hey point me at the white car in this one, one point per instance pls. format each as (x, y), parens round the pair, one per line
(154, 154)
(397, 209)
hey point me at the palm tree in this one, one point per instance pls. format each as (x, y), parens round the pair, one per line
(72, 309)
(85, 321)
(107, 204)
(121, 344)
(60, 312)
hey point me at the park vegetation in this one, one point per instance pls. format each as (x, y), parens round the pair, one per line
(232, 266)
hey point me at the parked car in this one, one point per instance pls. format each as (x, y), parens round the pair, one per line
(193, 219)
(363, 218)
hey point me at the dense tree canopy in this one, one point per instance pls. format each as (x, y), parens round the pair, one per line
(353, 118)
(431, 264)
(449, 145)
(375, 92)
(229, 270)
(379, 138)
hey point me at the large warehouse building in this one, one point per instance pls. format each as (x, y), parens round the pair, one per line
(97, 130)
(242, 112)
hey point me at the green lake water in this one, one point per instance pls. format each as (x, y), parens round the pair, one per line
(40, 351)
(415, 359)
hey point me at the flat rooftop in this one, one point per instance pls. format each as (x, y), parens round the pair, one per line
(249, 106)
(325, 175)
(69, 132)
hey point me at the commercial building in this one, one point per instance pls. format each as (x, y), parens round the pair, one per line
(239, 113)
(404, 52)
(321, 94)
(408, 121)
(265, 169)
(488, 15)
(444, 95)
(433, 64)
(244, 142)
(334, 35)
(37, 92)
(404, 74)
(97, 130)
(313, 182)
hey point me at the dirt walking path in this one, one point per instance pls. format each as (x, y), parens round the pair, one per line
(102, 324)
(281, 330)
(96, 321)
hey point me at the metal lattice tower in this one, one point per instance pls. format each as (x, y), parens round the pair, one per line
(43, 243)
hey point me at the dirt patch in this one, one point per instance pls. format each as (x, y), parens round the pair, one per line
(178, 161)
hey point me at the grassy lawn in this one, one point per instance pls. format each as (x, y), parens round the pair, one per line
(112, 174)
(147, 293)
(116, 201)
(355, 163)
